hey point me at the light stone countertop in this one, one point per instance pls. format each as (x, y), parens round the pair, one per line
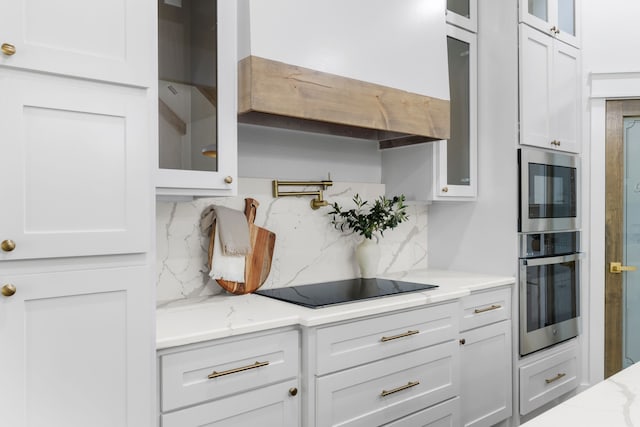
(614, 402)
(189, 321)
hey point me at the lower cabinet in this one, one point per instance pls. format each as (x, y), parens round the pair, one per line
(239, 381)
(548, 377)
(485, 358)
(274, 405)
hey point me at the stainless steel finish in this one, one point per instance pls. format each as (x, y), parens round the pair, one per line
(552, 334)
(528, 225)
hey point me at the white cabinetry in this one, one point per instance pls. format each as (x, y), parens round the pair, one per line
(549, 92)
(485, 358)
(382, 369)
(548, 376)
(557, 18)
(200, 114)
(78, 329)
(232, 382)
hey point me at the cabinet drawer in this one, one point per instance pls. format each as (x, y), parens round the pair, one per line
(548, 379)
(388, 389)
(268, 406)
(445, 414)
(235, 366)
(483, 308)
(355, 343)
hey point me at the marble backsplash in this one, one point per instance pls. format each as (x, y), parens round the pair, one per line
(308, 248)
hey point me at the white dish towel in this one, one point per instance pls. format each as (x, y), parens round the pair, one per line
(231, 242)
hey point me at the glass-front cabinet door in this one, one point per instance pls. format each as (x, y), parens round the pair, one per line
(463, 13)
(197, 132)
(558, 18)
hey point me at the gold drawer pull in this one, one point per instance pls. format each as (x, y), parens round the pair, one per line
(395, 337)
(556, 378)
(215, 374)
(482, 310)
(397, 389)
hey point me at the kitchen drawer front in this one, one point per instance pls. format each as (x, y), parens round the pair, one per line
(355, 343)
(390, 389)
(486, 307)
(268, 406)
(445, 414)
(548, 379)
(242, 363)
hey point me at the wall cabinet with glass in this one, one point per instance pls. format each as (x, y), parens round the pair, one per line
(443, 170)
(557, 18)
(463, 13)
(197, 84)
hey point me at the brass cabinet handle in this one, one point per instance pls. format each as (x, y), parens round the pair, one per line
(293, 391)
(8, 290)
(215, 374)
(228, 179)
(8, 245)
(8, 49)
(397, 389)
(556, 378)
(482, 310)
(617, 267)
(395, 337)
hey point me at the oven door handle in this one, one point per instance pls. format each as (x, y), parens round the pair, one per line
(552, 260)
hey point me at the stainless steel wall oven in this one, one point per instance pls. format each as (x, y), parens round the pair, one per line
(549, 289)
(549, 189)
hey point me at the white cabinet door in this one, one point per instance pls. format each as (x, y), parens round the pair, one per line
(275, 405)
(94, 39)
(76, 348)
(485, 368)
(549, 92)
(75, 174)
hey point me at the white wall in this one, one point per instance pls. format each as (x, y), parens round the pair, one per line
(610, 34)
(265, 152)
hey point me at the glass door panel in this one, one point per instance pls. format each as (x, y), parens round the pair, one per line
(460, 7)
(187, 84)
(567, 16)
(539, 9)
(631, 242)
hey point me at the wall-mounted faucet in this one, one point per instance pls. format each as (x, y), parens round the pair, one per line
(315, 203)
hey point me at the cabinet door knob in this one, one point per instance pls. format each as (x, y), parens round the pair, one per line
(293, 391)
(8, 245)
(463, 341)
(445, 189)
(8, 49)
(8, 290)
(228, 179)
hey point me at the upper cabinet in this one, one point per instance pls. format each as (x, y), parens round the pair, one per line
(549, 92)
(369, 69)
(97, 40)
(558, 18)
(446, 169)
(197, 101)
(463, 13)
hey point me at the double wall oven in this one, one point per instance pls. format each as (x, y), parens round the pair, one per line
(549, 246)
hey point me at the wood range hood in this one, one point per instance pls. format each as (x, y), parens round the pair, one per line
(276, 94)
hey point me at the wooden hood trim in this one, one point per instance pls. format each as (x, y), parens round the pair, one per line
(276, 94)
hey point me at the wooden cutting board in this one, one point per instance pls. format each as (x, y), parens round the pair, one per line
(258, 261)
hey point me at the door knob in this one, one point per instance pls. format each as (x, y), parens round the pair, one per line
(8, 290)
(293, 391)
(228, 180)
(8, 245)
(8, 49)
(617, 267)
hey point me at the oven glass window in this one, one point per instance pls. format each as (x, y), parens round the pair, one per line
(552, 191)
(552, 295)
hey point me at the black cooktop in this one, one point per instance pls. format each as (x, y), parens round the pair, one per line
(342, 291)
